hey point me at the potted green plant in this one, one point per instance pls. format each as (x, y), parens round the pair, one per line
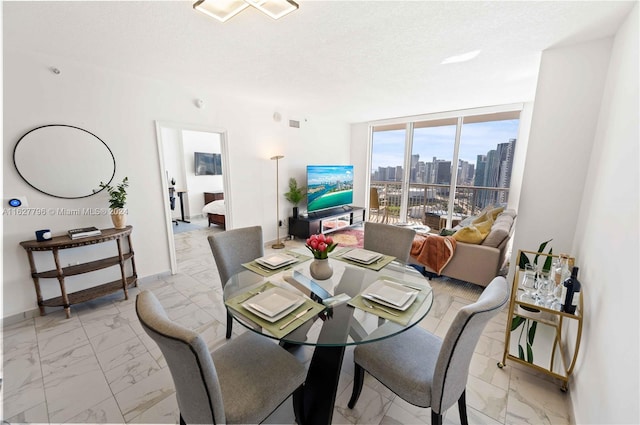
(295, 195)
(117, 201)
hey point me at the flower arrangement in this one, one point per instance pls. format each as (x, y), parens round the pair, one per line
(320, 245)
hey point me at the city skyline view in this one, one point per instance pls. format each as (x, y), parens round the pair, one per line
(485, 160)
(428, 142)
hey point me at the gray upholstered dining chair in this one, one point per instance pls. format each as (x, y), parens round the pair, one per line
(232, 248)
(425, 370)
(389, 240)
(243, 381)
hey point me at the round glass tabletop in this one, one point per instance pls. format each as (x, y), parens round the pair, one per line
(355, 321)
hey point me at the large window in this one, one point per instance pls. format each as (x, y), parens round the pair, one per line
(456, 166)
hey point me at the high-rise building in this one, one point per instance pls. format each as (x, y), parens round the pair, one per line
(465, 172)
(443, 172)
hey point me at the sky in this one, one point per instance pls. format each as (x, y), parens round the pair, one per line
(476, 139)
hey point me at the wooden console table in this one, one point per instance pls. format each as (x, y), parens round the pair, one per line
(64, 242)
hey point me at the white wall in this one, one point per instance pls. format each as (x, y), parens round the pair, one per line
(565, 113)
(606, 246)
(122, 109)
(360, 161)
(580, 187)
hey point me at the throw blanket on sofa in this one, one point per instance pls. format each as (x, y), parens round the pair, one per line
(434, 251)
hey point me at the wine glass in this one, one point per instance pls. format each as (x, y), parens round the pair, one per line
(529, 284)
(545, 288)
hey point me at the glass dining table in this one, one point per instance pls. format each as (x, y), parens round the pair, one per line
(355, 320)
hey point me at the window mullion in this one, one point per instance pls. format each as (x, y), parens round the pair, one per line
(454, 173)
(408, 148)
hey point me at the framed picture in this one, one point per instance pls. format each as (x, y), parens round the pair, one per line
(207, 164)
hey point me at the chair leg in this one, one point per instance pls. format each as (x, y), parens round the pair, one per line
(436, 418)
(298, 404)
(229, 324)
(358, 381)
(462, 408)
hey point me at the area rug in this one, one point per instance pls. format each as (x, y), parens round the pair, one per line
(349, 237)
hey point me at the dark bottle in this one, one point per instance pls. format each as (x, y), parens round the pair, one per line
(572, 292)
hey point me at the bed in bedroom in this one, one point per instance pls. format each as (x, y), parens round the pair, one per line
(214, 208)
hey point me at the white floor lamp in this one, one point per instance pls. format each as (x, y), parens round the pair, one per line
(278, 244)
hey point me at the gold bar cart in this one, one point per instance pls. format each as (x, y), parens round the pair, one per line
(558, 357)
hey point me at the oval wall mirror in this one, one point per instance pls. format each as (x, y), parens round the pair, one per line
(64, 161)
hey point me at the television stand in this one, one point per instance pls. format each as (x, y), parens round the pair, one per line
(326, 221)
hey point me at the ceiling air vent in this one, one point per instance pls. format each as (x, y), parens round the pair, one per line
(294, 123)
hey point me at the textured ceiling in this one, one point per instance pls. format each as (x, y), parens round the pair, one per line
(351, 60)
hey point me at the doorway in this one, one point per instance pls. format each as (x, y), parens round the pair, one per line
(184, 183)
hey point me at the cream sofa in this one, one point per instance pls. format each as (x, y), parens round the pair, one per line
(479, 263)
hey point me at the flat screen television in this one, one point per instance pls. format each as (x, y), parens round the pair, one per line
(329, 186)
(207, 164)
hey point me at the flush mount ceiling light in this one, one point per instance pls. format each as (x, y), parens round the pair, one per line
(223, 10)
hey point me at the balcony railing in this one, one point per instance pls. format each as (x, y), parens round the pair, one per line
(429, 202)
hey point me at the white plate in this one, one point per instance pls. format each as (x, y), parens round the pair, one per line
(275, 261)
(391, 294)
(273, 304)
(362, 256)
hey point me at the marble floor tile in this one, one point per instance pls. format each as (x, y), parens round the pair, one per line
(370, 408)
(195, 320)
(67, 384)
(536, 401)
(487, 398)
(98, 324)
(105, 412)
(27, 396)
(49, 344)
(50, 362)
(123, 376)
(36, 414)
(109, 339)
(143, 395)
(121, 353)
(452, 417)
(24, 329)
(486, 369)
(166, 411)
(402, 413)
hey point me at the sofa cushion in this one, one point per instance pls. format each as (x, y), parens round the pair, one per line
(469, 234)
(467, 221)
(510, 212)
(499, 231)
(495, 212)
(484, 226)
(491, 213)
